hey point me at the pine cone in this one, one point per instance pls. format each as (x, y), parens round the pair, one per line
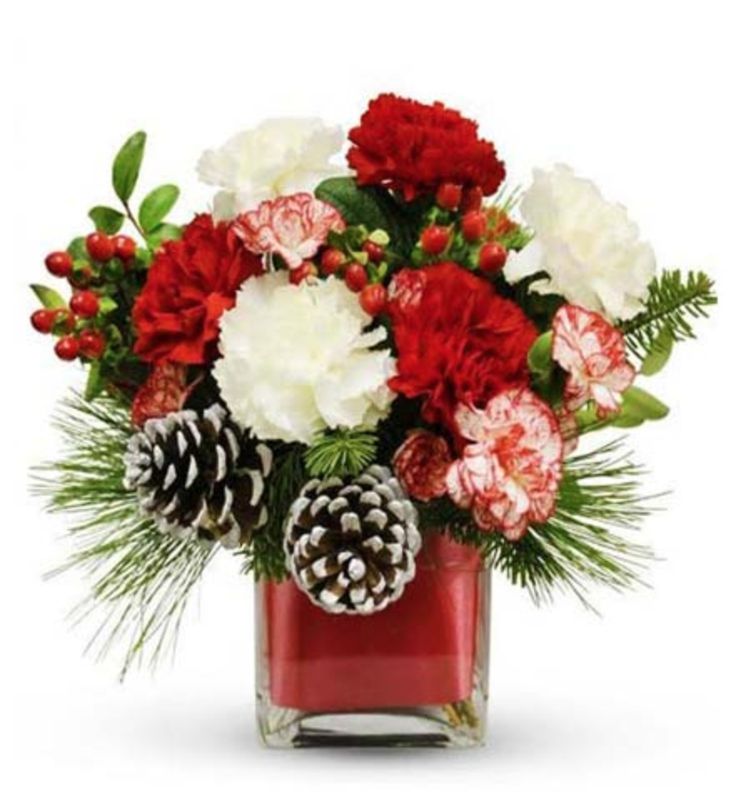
(351, 545)
(199, 475)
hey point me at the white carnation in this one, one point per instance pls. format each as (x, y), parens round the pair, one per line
(588, 246)
(297, 359)
(281, 156)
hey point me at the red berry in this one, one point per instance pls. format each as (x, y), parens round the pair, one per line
(305, 271)
(43, 320)
(375, 252)
(67, 348)
(91, 344)
(449, 196)
(474, 225)
(373, 299)
(100, 247)
(355, 277)
(85, 304)
(492, 257)
(331, 260)
(472, 199)
(59, 263)
(124, 247)
(434, 239)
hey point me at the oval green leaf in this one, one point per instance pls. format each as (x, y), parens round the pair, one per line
(640, 405)
(127, 164)
(49, 297)
(106, 219)
(540, 355)
(658, 354)
(157, 205)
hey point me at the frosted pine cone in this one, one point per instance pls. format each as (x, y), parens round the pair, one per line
(351, 545)
(199, 475)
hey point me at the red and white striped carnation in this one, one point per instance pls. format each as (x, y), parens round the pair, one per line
(593, 352)
(511, 468)
(421, 465)
(295, 227)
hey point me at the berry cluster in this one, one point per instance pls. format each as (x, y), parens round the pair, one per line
(461, 229)
(81, 327)
(360, 259)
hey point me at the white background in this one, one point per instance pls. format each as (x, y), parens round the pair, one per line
(631, 709)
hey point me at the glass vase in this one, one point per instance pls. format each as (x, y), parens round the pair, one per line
(414, 674)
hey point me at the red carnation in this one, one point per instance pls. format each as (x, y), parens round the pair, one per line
(191, 282)
(421, 465)
(458, 341)
(415, 147)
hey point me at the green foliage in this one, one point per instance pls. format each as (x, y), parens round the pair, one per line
(582, 544)
(163, 233)
(156, 205)
(108, 220)
(369, 206)
(139, 579)
(127, 165)
(264, 556)
(49, 297)
(342, 452)
(658, 353)
(674, 300)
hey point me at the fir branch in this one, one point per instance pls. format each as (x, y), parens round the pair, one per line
(264, 555)
(140, 580)
(673, 300)
(342, 452)
(582, 544)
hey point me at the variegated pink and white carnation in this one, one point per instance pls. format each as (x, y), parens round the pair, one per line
(510, 470)
(295, 227)
(593, 352)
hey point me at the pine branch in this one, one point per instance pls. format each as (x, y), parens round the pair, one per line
(673, 301)
(140, 580)
(583, 543)
(341, 452)
(264, 556)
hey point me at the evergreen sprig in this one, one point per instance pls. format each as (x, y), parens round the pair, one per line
(674, 300)
(582, 544)
(341, 452)
(140, 579)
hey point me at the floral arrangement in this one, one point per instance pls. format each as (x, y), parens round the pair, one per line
(334, 362)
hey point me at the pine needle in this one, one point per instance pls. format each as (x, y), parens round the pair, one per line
(341, 452)
(140, 580)
(582, 544)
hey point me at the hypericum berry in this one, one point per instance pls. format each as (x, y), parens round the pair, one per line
(331, 260)
(434, 239)
(59, 263)
(449, 196)
(43, 320)
(492, 257)
(124, 247)
(375, 252)
(355, 277)
(100, 247)
(67, 348)
(305, 271)
(85, 304)
(474, 225)
(91, 344)
(373, 299)
(472, 199)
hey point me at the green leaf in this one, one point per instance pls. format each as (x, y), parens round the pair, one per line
(638, 405)
(540, 355)
(107, 305)
(156, 205)
(659, 353)
(78, 249)
(48, 297)
(369, 206)
(95, 383)
(106, 219)
(127, 164)
(163, 233)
